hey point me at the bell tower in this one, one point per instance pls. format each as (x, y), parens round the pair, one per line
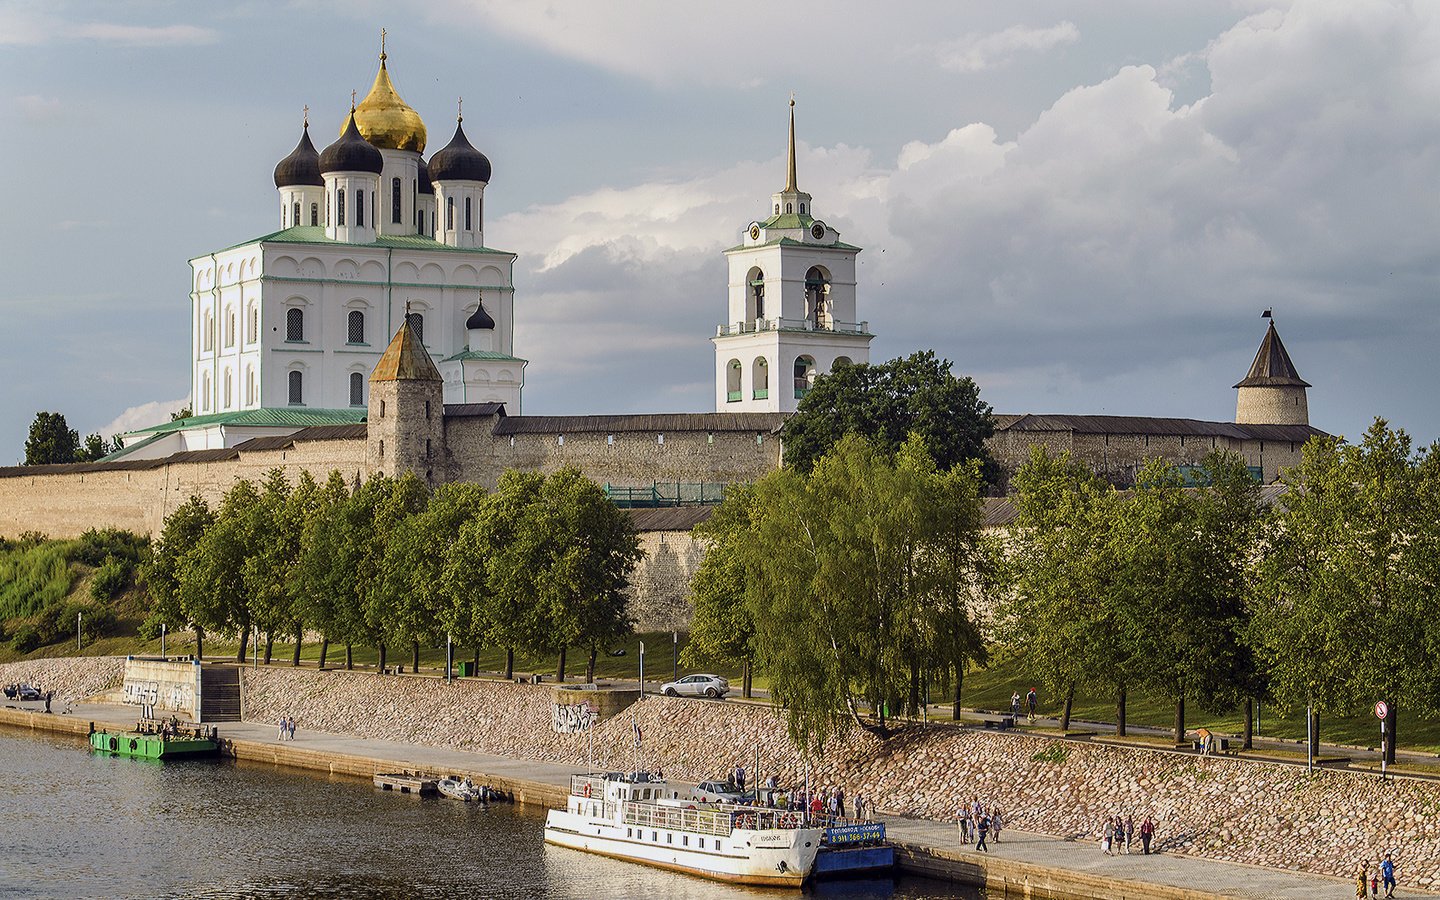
(1273, 393)
(791, 312)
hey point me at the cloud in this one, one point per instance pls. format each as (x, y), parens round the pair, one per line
(143, 416)
(978, 52)
(24, 26)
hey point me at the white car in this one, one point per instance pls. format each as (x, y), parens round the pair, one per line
(712, 686)
(717, 792)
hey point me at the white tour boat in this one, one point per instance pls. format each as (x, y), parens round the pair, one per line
(648, 820)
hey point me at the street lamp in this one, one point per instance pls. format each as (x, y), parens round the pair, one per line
(676, 675)
(642, 669)
(78, 617)
(162, 639)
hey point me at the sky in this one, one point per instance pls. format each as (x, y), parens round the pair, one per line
(1084, 206)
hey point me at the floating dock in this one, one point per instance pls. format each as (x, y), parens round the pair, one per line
(406, 783)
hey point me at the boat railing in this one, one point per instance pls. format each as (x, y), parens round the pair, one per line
(695, 820)
(587, 786)
(761, 818)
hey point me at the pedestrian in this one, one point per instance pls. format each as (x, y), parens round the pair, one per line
(1107, 836)
(1032, 701)
(1375, 882)
(962, 821)
(1387, 872)
(1361, 877)
(1015, 705)
(283, 729)
(291, 727)
(840, 801)
(983, 828)
(1129, 832)
(996, 823)
(860, 807)
(1147, 831)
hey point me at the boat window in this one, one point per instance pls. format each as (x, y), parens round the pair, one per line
(627, 833)
(669, 838)
(702, 843)
(685, 840)
(655, 836)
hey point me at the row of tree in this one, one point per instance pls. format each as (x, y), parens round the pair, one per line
(52, 440)
(542, 564)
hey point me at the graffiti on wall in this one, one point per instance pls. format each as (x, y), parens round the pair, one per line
(177, 696)
(570, 718)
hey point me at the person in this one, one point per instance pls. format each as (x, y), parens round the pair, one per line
(1032, 702)
(982, 828)
(860, 807)
(740, 779)
(996, 823)
(290, 726)
(1129, 832)
(1107, 836)
(1387, 872)
(1015, 704)
(840, 802)
(1375, 883)
(962, 820)
(773, 781)
(1147, 831)
(1361, 877)
(284, 728)
(1207, 741)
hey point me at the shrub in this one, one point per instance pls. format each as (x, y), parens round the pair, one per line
(110, 579)
(26, 639)
(94, 548)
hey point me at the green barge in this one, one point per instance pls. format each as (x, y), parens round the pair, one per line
(158, 740)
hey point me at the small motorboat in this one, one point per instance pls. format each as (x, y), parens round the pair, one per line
(463, 789)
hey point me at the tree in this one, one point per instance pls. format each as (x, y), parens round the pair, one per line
(94, 448)
(721, 629)
(212, 577)
(885, 403)
(850, 564)
(51, 440)
(1344, 604)
(160, 571)
(370, 517)
(319, 580)
(184, 412)
(268, 570)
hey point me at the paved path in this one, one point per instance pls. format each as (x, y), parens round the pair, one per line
(1222, 878)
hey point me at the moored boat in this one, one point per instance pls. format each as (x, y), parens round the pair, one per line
(457, 788)
(157, 740)
(647, 820)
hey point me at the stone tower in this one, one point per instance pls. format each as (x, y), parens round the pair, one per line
(406, 422)
(791, 314)
(1273, 393)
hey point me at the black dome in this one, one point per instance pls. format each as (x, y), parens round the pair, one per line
(480, 319)
(351, 153)
(458, 161)
(425, 186)
(302, 166)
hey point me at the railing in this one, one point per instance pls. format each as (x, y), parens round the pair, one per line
(762, 393)
(782, 324)
(664, 494)
(698, 821)
(587, 786)
(734, 396)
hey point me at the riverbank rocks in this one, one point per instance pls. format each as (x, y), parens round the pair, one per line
(71, 678)
(1221, 808)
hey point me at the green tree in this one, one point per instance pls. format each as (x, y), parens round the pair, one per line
(268, 569)
(51, 440)
(887, 402)
(161, 567)
(319, 580)
(722, 630)
(212, 586)
(93, 449)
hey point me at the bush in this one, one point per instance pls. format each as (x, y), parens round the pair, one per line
(57, 622)
(26, 639)
(95, 548)
(110, 579)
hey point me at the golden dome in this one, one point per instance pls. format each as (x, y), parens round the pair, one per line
(387, 121)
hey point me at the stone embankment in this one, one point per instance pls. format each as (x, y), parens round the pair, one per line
(1242, 811)
(71, 678)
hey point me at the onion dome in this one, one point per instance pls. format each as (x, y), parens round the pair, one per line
(302, 166)
(426, 186)
(387, 121)
(480, 319)
(458, 161)
(352, 153)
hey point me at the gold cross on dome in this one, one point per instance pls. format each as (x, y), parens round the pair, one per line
(460, 110)
(382, 43)
(307, 115)
(352, 101)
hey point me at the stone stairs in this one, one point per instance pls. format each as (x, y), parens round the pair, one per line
(219, 694)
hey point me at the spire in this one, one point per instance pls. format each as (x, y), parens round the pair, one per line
(1272, 366)
(790, 187)
(406, 359)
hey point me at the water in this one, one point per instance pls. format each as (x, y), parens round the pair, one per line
(75, 824)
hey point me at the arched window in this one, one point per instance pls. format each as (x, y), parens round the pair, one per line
(804, 375)
(294, 324)
(359, 208)
(356, 331)
(295, 384)
(802, 209)
(732, 381)
(777, 209)
(254, 324)
(229, 390)
(395, 201)
(249, 386)
(417, 325)
(756, 301)
(450, 213)
(841, 361)
(340, 207)
(817, 297)
(789, 208)
(295, 217)
(357, 389)
(229, 328)
(467, 213)
(205, 392)
(760, 378)
(207, 338)
(314, 214)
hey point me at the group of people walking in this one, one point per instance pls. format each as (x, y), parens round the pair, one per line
(1117, 835)
(979, 824)
(1370, 882)
(287, 729)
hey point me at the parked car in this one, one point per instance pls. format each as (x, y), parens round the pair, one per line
(23, 692)
(712, 686)
(717, 792)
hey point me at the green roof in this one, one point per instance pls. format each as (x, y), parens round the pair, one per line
(791, 242)
(484, 354)
(315, 234)
(283, 417)
(121, 452)
(788, 220)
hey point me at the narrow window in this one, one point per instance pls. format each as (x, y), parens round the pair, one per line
(205, 392)
(228, 389)
(610, 440)
(395, 200)
(229, 329)
(294, 324)
(254, 324)
(802, 209)
(359, 209)
(467, 213)
(660, 439)
(357, 389)
(295, 219)
(382, 409)
(559, 440)
(382, 449)
(450, 213)
(207, 340)
(314, 214)
(789, 208)
(249, 387)
(427, 448)
(427, 409)
(417, 324)
(296, 388)
(340, 207)
(357, 327)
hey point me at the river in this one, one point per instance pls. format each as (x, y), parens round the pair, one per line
(76, 824)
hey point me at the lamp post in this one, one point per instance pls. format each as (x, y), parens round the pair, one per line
(162, 639)
(676, 636)
(642, 669)
(78, 617)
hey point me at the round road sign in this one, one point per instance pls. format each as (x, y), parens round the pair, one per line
(1382, 709)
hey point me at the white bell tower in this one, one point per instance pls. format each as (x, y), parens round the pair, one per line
(791, 313)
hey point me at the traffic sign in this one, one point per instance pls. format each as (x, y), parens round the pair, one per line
(1382, 709)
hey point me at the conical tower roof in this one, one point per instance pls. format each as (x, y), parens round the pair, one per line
(1272, 366)
(406, 359)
